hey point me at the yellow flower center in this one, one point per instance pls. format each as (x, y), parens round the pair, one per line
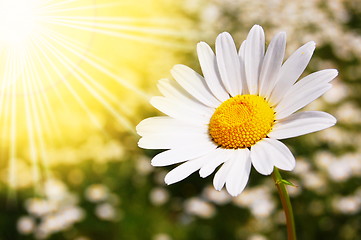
(241, 121)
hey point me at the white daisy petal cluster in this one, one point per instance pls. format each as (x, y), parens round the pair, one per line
(234, 116)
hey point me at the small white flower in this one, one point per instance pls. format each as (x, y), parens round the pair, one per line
(158, 196)
(26, 225)
(199, 207)
(106, 211)
(235, 114)
(97, 193)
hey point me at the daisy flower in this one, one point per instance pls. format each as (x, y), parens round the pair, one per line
(234, 116)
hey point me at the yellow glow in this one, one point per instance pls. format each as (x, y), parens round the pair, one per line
(17, 20)
(241, 121)
(72, 70)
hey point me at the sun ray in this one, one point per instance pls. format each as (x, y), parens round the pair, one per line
(101, 68)
(49, 5)
(144, 21)
(57, 82)
(145, 39)
(5, 108)
(94, 23)
(29, 114)
(12, 140)
(78, 99)
(92, 59)
(47, 103)
(89, 58)
(45, 114)
(77, 73)
(93, 7)
(40, 125)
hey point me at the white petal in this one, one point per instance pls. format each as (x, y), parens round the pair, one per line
(261, 161)
(171, 89)
(165, 124)
(228, 63)
(302, 123)
(220, 156)
(312, 81)
(171, 140)
(241, 53)
(291, 70)
(181, 172)
(254, 54)
(272, 64)
(221, 176)
(182, 154)
(292, 103)
(209, 66)
(279, 154)
(180, 111)
(194, 84)
(239, 173)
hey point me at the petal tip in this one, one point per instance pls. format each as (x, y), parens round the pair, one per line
(139, 125)
(257, 28)
(289, 167)
(333, 120)
(153, 100)
(201, 45)
(176, 67)
(233, 193)
(335, 72)
(268, 173)
(224, 36)
(312, 43)
(203, 48)
(282, 35)
(153, 163)
(202, 174)
(141, 144)
(168, 181)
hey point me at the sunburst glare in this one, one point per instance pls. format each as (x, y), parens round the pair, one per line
(67, 66)
(17, 21)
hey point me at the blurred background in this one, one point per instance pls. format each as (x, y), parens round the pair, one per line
(75, 80)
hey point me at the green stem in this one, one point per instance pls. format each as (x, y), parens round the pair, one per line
(286, 204)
